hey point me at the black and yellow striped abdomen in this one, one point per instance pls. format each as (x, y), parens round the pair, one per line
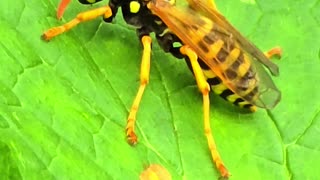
(227, 67)
(223, 91)
(232, 63)
(238, 82)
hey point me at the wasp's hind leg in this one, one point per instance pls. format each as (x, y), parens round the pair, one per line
(104, 11)
(205, 88)
(276, 51)
(144, 79)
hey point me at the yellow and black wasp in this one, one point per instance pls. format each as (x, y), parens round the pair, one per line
(220, 58)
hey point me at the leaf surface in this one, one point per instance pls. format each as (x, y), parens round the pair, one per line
(64, 104)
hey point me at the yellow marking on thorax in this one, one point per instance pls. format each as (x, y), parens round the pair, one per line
(230, 59)
(134, 6)
(215, 48)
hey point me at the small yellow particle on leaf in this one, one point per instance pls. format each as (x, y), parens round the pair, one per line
(155, 172)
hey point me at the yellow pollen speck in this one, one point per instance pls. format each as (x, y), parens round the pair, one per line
(134, 6)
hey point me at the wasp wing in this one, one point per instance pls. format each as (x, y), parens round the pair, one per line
(208, 9)
(192, 28)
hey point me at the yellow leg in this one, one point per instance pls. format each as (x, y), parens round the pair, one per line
(276, 51)
(205, 88)
(61, 8)
(144, 79)
(84, 16)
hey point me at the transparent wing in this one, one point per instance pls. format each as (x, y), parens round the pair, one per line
(208, 9)
(191, 28)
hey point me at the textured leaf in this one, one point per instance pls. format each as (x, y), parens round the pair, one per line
(64, 104)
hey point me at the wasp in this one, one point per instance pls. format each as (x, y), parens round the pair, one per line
(220, 58)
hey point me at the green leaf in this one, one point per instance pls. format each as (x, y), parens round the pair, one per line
(64, 104)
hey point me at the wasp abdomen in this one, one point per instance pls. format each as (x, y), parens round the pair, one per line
(223, 91)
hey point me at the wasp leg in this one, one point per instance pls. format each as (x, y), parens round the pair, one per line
(276, 51)
(81, 17)
(144, 79)
(205, 88)
(62, 7)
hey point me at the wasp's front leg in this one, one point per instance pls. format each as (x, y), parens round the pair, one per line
(144, 79)
(104, 11)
